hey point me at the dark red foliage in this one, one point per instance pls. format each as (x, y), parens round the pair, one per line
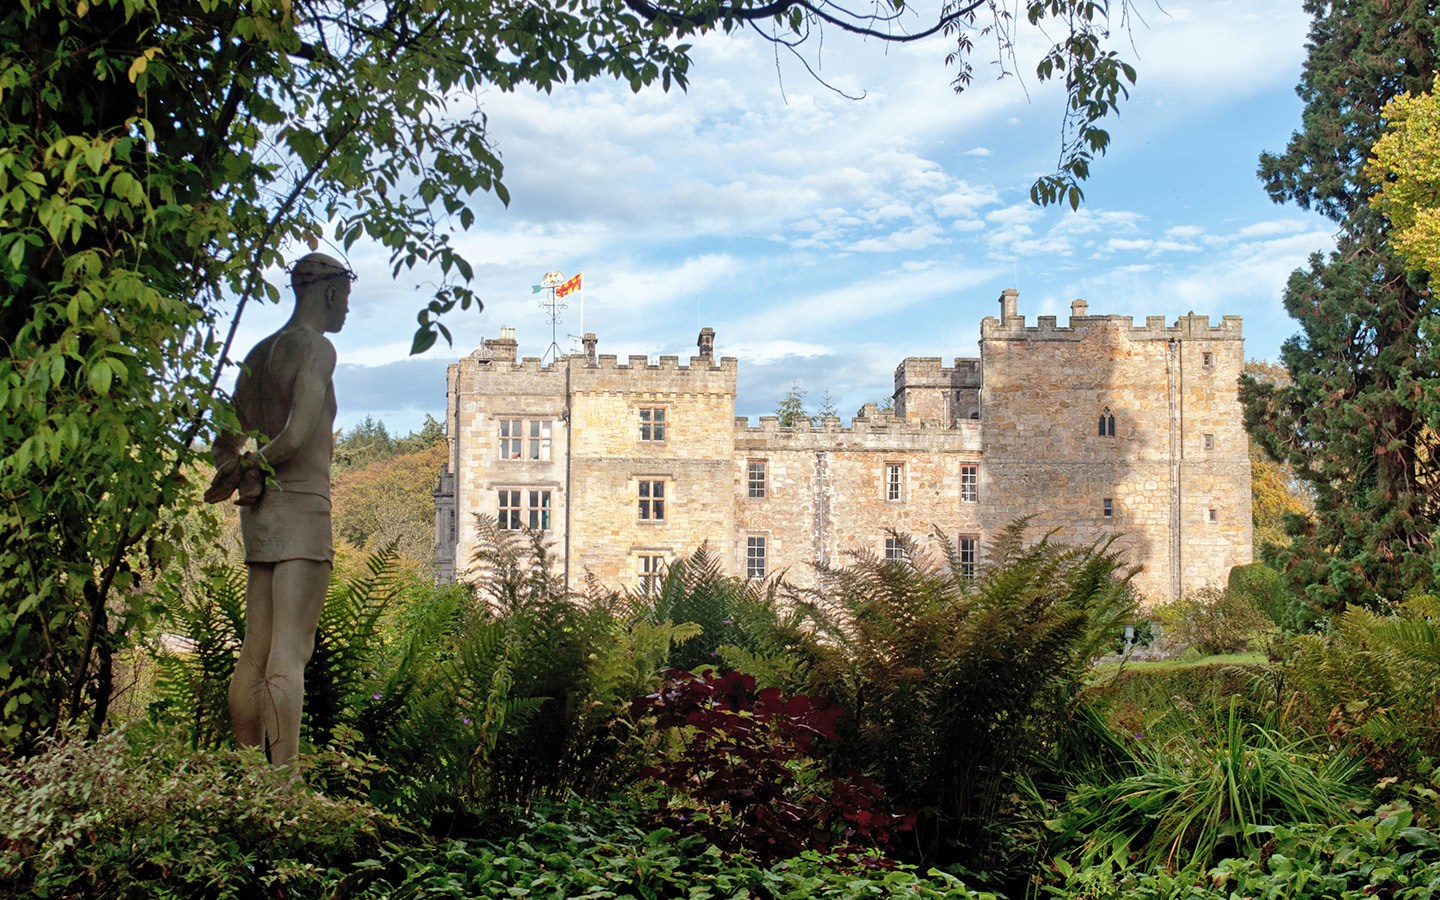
(738, 780)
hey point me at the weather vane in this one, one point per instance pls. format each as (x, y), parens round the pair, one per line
(556, 288)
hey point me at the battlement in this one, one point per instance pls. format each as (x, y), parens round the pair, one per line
(881, 423)
(1047, 328)
(930, 371)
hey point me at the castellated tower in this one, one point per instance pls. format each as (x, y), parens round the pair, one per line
(625, 465)
(1097, 429)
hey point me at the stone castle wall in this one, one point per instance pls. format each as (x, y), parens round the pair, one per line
(1024, 417)
(1179, 501)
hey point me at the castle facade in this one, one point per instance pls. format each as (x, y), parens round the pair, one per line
(1097, 428)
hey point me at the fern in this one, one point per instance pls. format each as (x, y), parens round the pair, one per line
(348, 642)
(957, 686)
(196, 659)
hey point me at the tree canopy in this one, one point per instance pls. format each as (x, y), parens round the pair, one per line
(1406, 171)
(1357, 417)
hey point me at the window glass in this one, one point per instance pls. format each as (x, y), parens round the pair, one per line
(754, 557)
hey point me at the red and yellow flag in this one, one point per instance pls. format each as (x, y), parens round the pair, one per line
(570, 286)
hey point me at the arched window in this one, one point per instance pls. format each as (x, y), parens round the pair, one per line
(1107, 423)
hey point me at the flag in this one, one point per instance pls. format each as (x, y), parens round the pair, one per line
(570, 286)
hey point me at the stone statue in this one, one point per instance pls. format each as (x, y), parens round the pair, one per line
(286, 395)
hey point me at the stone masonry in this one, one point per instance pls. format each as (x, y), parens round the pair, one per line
(1097, 429)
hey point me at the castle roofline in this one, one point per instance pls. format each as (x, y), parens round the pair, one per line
(1155, 328)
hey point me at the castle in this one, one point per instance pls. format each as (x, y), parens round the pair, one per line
(1097, 428)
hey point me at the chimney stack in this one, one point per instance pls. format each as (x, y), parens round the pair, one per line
(503, 348)
(1008, 302)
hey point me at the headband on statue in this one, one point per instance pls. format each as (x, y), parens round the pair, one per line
(315, 268)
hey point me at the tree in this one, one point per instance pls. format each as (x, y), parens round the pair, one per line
(391, 503)
(827, 408)
(366, 443)
(791, 408)
(1276, 494)
(1405, 169)
(157, 156)
(1357, 419)
(431, 433)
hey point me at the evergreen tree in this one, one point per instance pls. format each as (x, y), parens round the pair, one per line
(431, 432)
(368, 442)
(827, 408)
(1356, 419)
(791, 408)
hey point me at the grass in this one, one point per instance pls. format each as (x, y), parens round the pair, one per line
(1185, 662)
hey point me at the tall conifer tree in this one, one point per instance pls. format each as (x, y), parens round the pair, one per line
(1358, 420)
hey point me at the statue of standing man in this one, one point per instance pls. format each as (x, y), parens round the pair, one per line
(286, 394)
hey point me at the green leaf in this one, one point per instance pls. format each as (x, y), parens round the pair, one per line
(100, 376)
(424, 339)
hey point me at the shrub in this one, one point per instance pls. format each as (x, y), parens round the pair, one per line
(1382, 855)
(743, 772)
(468, 701)
(85, 819)
(590, 850)
(1199, 797)
(1213, 621)
(1268, 591)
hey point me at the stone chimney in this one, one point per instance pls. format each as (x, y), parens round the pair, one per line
(1079, 309)
(706, 343)
(1009, 299)
(589, 341)
(503, 348)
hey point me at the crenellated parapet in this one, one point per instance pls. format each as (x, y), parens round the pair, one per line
(666, 375)
(879, 430)
(1078, 327)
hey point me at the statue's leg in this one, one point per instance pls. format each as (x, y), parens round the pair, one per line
(299, 591)
(247, 687)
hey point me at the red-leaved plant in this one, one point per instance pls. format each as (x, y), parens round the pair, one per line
(747, 777)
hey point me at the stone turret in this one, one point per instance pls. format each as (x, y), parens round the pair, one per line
(590, 341)
(706, 343)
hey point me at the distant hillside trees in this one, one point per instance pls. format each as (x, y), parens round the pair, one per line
(383, 489)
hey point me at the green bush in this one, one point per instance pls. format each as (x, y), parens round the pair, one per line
(95, 819)
(1163, 701)
(593, 850)
(1204, 795)
(1268, 591)
(1373, 682)
(1213, 621)
(470, 701)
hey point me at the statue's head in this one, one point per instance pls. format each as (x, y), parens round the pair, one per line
(322, 279)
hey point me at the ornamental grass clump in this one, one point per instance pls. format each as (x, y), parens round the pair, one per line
(1205, 796)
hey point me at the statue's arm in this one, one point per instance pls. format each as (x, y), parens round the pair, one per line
(314, 365)
(229, 466)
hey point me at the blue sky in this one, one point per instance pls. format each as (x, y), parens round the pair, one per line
(825, 239)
